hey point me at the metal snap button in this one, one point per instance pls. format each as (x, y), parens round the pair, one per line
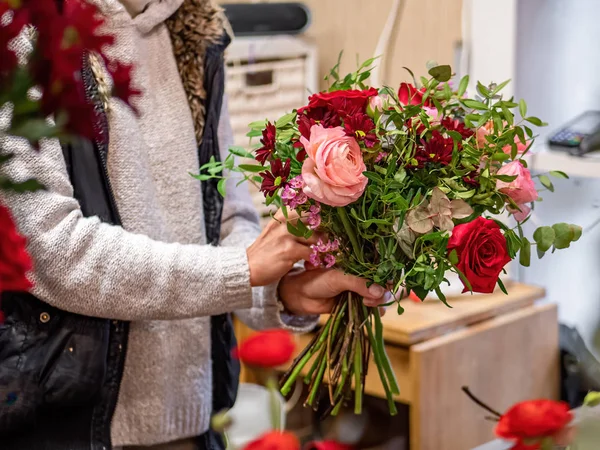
(44, 317)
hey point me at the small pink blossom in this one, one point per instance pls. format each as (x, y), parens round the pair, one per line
(292, 195)
(314, 216)
(323, 253)
(521, 215)
(380, 157)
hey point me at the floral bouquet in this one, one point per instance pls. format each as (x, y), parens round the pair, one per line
(405, 183)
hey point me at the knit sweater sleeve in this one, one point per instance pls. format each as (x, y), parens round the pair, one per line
(240, 227)
(96, 269)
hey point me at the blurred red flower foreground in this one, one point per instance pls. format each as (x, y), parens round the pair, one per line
(14, 260)
(267, 349)
(529, 423)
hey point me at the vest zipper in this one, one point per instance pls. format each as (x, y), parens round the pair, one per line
(119, 330)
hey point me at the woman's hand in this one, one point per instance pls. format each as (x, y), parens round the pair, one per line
(275, 251)
(314, 291)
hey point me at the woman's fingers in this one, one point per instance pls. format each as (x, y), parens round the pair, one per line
(341, 282)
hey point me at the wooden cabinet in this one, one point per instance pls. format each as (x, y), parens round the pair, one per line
(427, 30)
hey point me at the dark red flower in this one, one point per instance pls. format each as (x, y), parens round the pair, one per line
(270, 348)
(361, 127)
(275, 440)
(328, 445)
(343, 102)
(527, 423)
(438, 149)
(121, 76)
(313, 116)
(276, 177)
(471, 179)
(459, 127)
(482, 253)
(410, 95)
(268, 144)
(14, 259)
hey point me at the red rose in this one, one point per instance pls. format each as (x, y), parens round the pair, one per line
(14, 259)
(410, 95)
(344, 102)
(275, 440)
(327, 445)
(482, 253)
(533, 420)
(270, 348)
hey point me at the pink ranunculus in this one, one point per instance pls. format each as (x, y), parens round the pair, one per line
(521, 189)
(521, 215)
(333, 171)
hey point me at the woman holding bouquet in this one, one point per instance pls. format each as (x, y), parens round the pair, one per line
(126, 339)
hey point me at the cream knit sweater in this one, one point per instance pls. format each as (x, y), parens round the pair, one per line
(156, 270)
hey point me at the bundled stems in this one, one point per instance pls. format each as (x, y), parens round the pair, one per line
(339, 355)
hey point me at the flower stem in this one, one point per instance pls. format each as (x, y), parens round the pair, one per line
(317, 381)
(298, 366)
(272, 386)
(358, 386)
(385, 360)
(467, 391)
(351, 234)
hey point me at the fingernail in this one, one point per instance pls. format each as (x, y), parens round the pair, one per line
(376, 291)
(370, 303)
(387, 296)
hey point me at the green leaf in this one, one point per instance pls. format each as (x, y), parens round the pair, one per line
(474, 104)
(592, 399)
(528, 130)
(484, 91)
(506, 178)
(507, 115)
(462, 87)
(221, 186)
(559, 174)
(260, 124)
(285, 120)
(564, 235)
(294, 230)
(374, 176)
(522, 108)
(253, 133)
(577, 232)
(540, 253)
(500, 87)
(453, 257)
(525, 253)
(535, 121)
(254, 168)
(500, 156)
(441, 73)
(33, 130)
(521, 134)
(544, 238)
(441, 296)
(502, 287)
(547, 183)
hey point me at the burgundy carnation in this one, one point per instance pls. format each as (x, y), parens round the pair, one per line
(361, 126)
(438, 149)
(268, 144)
(276, 177)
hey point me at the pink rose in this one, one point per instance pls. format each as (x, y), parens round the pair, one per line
(521, 215)
(333, 171)
(434, 116)
(521, 189)
(375, 104)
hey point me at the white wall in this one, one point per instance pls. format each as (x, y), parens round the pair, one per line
(558, 74)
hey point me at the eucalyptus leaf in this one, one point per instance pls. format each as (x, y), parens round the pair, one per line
(441, 73)
(544, 238)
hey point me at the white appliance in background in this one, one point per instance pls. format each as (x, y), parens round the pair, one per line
(267, 77)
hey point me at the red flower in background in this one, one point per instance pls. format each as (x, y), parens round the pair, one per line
(328, 445)
(276, 177)
(268, 143)
(438, 149)
(527, 423)
(361, 126)
(122, 89)
(275, 440)
(14, 259)
(343, 102)
(482, 253)
(410, 95)
(268, 349)
(459, 127)
(313, 116)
